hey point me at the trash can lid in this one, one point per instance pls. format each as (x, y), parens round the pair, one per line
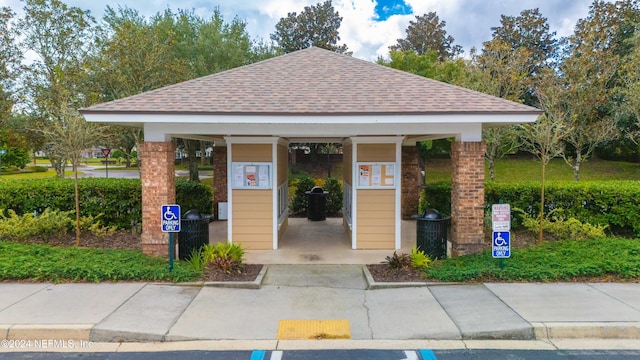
(192, 214)
(432, 214)
(316, 190)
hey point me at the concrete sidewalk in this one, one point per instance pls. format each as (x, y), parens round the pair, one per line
(141, 312)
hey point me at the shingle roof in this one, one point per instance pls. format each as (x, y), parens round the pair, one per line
(313, 81)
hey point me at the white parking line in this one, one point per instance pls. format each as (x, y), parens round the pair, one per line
(410, 355)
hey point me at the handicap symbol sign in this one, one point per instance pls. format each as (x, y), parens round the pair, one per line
(170, 218)
(501, 244)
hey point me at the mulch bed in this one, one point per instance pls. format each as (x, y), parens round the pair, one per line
(249, 272)
(385, 273)
(120, 240)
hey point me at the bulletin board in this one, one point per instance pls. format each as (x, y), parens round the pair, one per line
(245, 175)
(376, 175)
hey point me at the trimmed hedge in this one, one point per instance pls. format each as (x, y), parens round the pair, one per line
(119, 200)
(193, 195)
(613, 203)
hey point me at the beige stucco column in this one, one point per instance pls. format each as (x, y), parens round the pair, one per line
(467, 197)
(158, 188)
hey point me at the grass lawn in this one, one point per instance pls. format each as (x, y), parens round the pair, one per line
(527, 169)
(60, 264)
(39, 175)
(603, 259)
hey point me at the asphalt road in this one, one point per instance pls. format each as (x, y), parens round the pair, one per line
(343, 355)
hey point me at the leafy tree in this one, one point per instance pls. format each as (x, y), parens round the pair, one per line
(452, 71)
(124, 140)
(428, 33)
(529, 30)
(499, 141)
(508, 67)
(10, 57)
(60, 37)
(591, 72)
(138, 54)
(134, 56)
(317, 25)
(499, 71)
(630, 91)
(543, 139)
(69, 137)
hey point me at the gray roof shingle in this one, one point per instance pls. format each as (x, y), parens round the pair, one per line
(313, 81)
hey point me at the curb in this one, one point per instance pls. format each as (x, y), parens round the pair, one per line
(78, 332)
(586, 330)
(256, 284)
(376, 285)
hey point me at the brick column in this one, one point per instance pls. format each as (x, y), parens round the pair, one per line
(219, 177)
(158, 188)
(410, 181)
(467, 197)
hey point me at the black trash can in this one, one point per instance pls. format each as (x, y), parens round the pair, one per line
(317, 209)
(194, 233)
(432, 229)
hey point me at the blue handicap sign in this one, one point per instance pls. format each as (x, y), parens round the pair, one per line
(170, 218)
(501, 244)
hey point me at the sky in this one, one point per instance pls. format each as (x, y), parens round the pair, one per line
(369, 27)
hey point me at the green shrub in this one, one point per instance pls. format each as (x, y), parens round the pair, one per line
(23, 227)
(562, 228)
(436, 196)
(224, 256)
(193, 195)
(118, 200)
(300, 202)
(612, 203)
(398, 261)
(93, 224)
(419, 259)
(334, 196)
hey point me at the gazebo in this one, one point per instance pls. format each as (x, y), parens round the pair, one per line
(253, 112)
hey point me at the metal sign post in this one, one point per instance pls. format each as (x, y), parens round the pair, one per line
(106, 153)
(170, 221)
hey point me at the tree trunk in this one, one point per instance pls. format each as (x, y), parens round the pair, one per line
(542, 201)
(75, 185)
(193, 162)
(58, 164)
(576, 166)
(127, 156)
(492, 169)
(203, 151)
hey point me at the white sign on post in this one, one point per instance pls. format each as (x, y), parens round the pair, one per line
(501, 217)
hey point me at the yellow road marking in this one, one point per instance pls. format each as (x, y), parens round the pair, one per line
(313, 329)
